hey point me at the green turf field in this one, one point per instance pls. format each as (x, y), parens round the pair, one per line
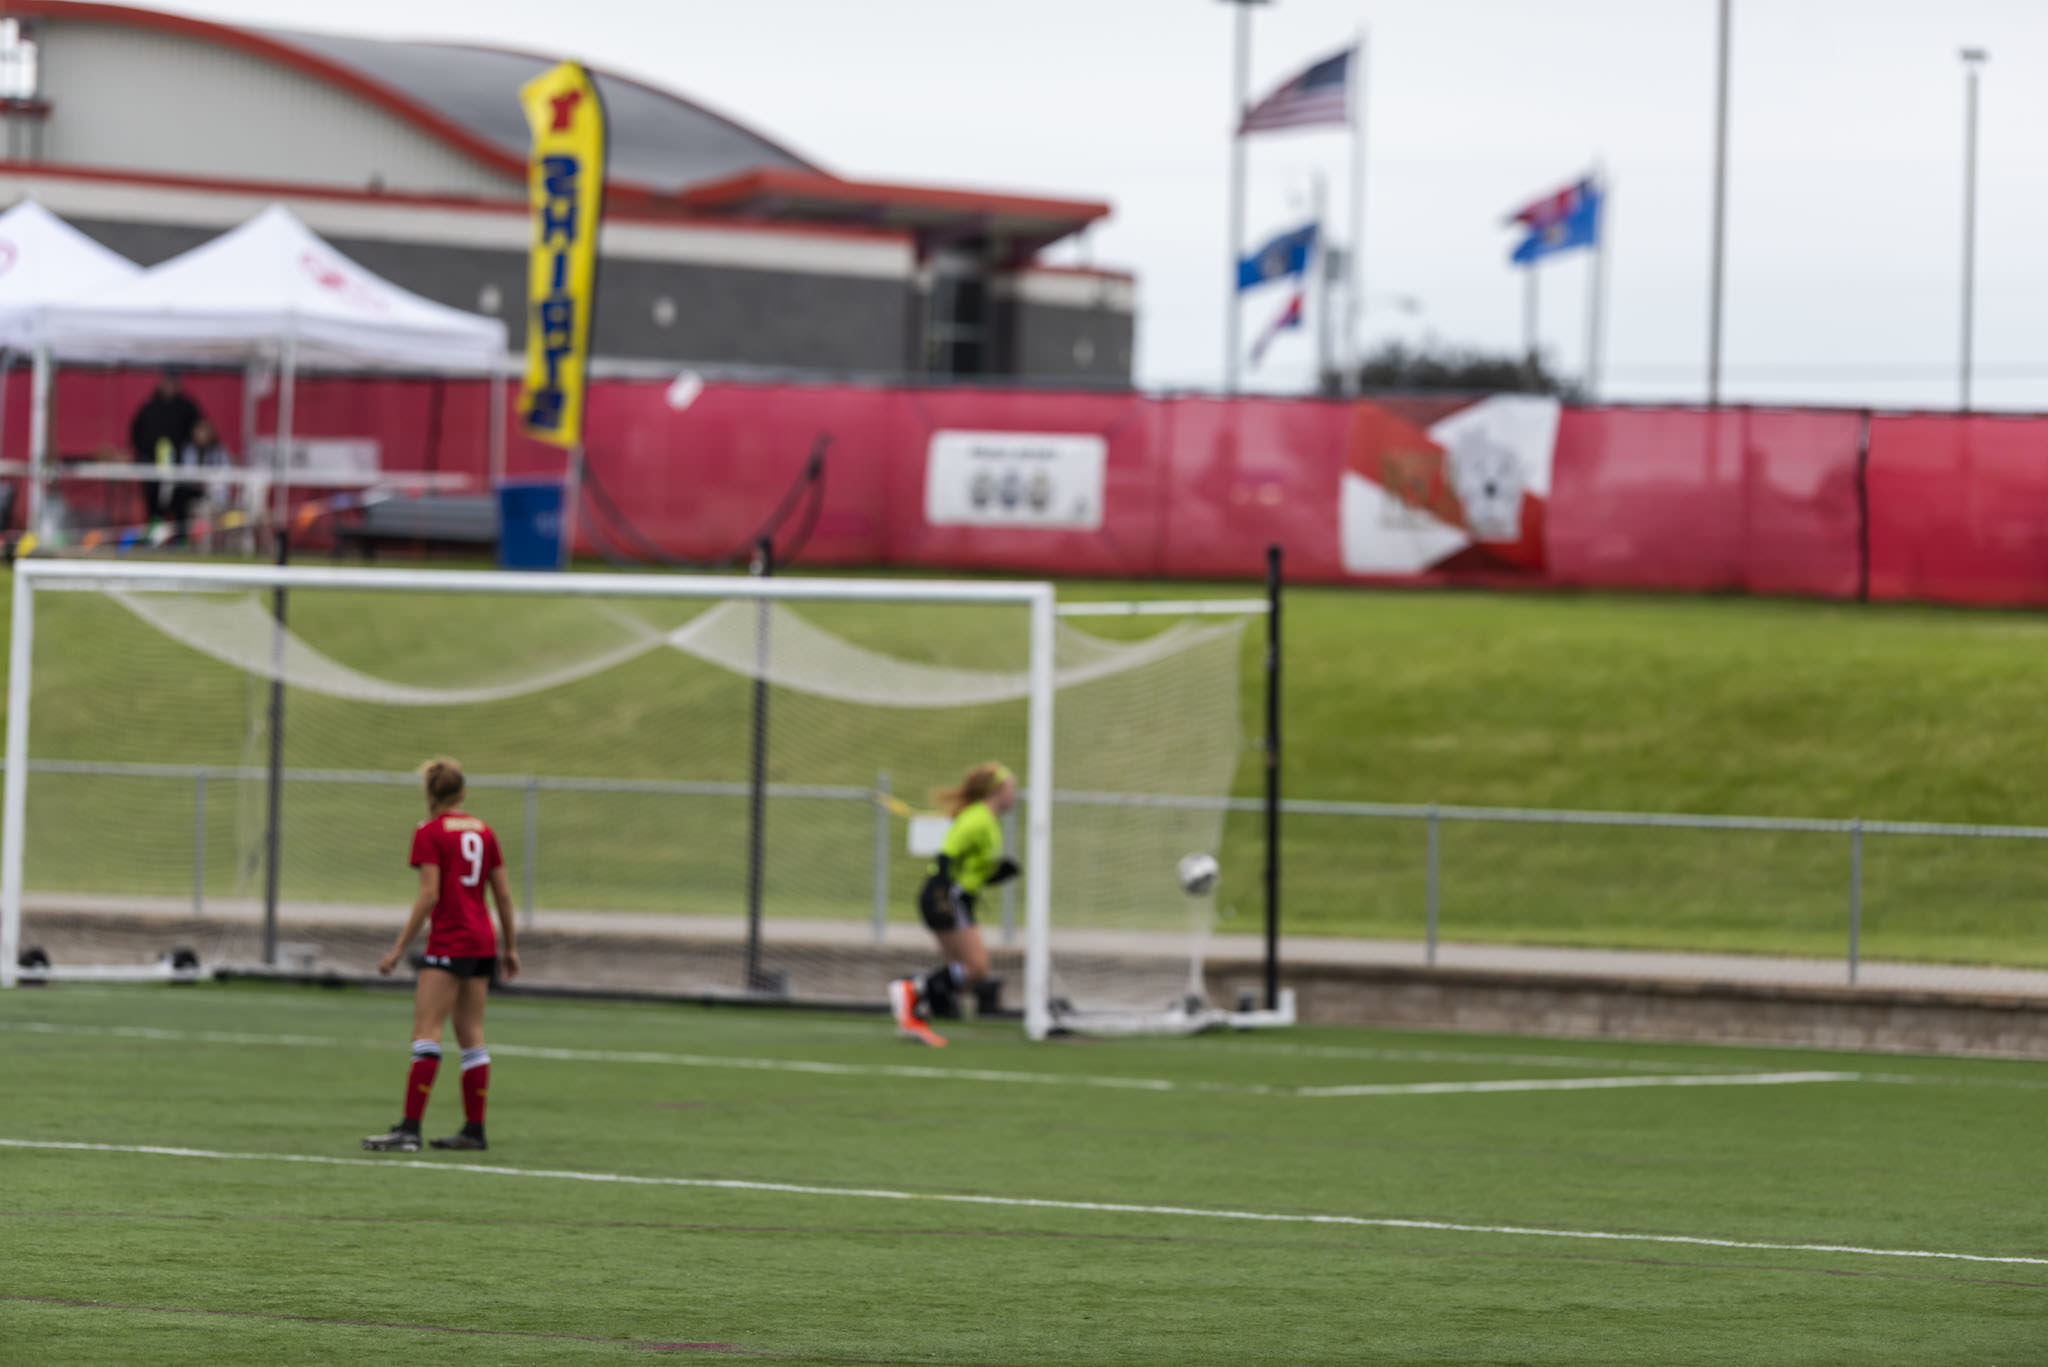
(781, 1186)
(1655, 704)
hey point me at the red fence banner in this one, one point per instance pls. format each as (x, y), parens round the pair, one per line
(1735, 499)
(1506, 490)
(1959, 508)
(692, 474)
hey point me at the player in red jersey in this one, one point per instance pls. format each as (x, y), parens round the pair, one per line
(457, 855)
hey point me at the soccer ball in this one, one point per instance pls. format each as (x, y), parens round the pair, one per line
(1197, 873)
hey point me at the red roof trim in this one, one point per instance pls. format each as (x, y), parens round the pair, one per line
(305, 63)
(284, 190)
(1094, 272)
(736, 192)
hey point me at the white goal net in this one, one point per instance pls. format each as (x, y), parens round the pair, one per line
(702, 786)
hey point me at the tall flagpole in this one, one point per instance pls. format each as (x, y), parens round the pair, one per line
(1529, 342)
(1973, 58)
(1596, 302)
(1239, 98)
(1720, 215)
(1354, 306)
(1319, 273)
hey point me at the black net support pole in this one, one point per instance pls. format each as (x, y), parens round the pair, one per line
(275, 787)
(1272, 754)
(757, 775)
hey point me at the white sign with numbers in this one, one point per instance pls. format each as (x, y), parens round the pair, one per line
(1015, 479)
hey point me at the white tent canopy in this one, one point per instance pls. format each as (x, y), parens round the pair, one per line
(270, 292)
(268, 286)
(44, 262)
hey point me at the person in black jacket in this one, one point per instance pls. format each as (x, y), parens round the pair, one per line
(161, 429)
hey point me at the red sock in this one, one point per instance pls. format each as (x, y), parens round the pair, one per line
(476, 1080)
(418, 1083)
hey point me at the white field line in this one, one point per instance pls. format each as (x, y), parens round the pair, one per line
(1579, 1084)
(1018, 1202)
(1339, 1051)
(819, 1067)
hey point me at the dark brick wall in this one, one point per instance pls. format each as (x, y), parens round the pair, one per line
(721, 315)
(1069, 343)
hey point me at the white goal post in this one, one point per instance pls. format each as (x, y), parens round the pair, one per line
(619, 702)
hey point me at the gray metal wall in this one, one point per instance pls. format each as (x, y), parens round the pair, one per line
(130, 99)
(721, 315)
(1047, 341)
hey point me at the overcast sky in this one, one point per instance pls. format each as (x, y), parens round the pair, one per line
(1845, 182)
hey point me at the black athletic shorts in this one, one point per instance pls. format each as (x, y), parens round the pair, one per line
(462, 966)
(943, 906)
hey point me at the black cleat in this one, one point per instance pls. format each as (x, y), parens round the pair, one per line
(400, 1140)
(458, 1141)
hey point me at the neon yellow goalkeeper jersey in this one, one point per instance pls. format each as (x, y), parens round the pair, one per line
(974, 842)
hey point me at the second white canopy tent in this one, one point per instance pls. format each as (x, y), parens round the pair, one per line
(268, 293)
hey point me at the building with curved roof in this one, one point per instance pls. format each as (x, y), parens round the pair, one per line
(723, 247)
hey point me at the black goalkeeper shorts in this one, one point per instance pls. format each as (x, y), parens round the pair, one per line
(943, 906)
(463, 966)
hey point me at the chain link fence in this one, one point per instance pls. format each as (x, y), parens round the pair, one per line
(1844, 889)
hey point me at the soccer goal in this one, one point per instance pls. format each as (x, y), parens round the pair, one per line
(703, 786)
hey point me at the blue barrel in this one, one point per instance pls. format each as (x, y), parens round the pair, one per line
(530, 524)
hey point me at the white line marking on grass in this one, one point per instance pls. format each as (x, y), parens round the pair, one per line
(1579, 1084)
(1339, 1051)
(905, 1070)
(176, 1036)
(798, 1065)
(778, 1065)
(1924, 1080)
(1017, 1202)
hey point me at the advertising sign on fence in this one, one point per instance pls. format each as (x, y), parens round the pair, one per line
(343, 457)
(1015, 479)
(1466, 493)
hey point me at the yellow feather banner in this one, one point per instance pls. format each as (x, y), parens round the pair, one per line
(565, 187)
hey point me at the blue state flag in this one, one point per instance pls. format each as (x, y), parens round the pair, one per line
(1286, 255)
(1559, 222)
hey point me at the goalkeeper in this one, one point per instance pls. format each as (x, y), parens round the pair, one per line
(970, 859)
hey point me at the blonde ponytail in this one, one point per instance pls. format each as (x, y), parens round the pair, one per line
(980, 781)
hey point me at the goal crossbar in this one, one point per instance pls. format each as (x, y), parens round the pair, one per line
(1170, 607)
(1040, 598)
(99, 574)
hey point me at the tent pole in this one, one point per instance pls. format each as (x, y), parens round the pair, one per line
(252, 371)
(6, 371)
(38, 442)
(288, 379)
(497, 425)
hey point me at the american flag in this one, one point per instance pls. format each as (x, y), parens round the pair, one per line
(1319, 95)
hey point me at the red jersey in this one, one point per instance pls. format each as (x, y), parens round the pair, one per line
(465, 850)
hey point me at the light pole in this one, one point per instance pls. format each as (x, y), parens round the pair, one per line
(1240, 98)
(1720, 214)
(1973, 60)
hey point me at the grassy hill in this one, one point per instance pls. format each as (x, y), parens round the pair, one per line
(1653, 704)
